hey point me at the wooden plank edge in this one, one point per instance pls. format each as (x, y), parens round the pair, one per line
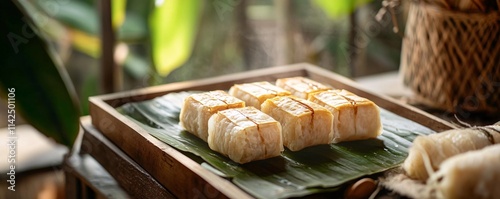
(219, 82)
(78, 180)
(388, 103)
(204, 183)
(128, 173)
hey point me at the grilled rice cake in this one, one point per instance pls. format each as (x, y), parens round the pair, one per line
(198, 108)
(254, 94)
(355, 118)
(245, 134)
(301, 86)
(304, 123)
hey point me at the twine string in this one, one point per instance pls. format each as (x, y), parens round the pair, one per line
(388, 6)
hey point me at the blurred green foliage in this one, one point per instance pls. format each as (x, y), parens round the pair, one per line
(161, 41)
(335, 9)
(39, 89)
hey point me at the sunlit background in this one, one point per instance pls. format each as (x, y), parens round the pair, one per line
(163, 41)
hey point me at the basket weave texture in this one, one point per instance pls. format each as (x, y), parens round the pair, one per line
(451, 60)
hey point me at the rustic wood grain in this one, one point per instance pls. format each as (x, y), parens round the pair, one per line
(137, 182)
(183, 177)
(85, 178)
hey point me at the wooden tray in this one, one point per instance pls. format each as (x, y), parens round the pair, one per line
(183, 176)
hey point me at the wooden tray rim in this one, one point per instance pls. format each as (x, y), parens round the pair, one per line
(113, 125)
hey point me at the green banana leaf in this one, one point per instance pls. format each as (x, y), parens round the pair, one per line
(323, 168)
(43, 91)
(82, 15)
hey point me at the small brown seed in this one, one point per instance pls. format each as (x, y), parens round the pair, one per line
(363, 188)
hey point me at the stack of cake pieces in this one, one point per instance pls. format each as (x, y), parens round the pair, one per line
(255, 121)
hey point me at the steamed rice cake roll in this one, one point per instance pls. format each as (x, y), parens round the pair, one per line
(304, 123)
(473, 174)
(254, 94)
(198, 108)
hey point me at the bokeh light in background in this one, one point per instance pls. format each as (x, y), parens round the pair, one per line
(229, 36)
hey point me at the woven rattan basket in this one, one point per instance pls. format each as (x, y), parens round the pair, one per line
(451, 60)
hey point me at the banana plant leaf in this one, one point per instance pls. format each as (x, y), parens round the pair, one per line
(293, 174)
(43, 90)
(79, 15)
